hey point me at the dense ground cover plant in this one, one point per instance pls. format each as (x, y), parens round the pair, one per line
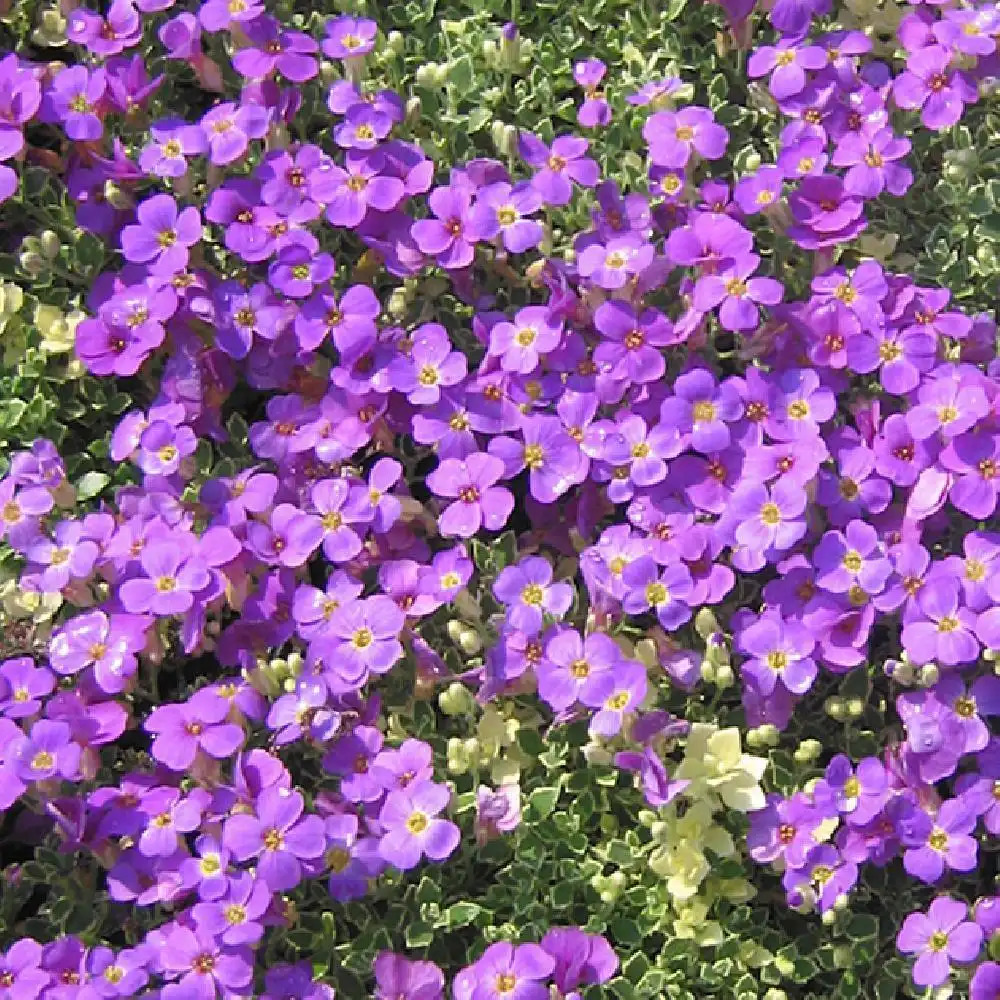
(503, 559)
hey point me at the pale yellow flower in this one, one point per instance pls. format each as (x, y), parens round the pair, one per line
(715, 764)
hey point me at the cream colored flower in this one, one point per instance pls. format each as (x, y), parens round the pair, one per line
(57, 329)
(715, 764)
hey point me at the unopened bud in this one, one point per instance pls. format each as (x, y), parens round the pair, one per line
(769, 734)
(707, 671)
(705, 623)
(33, 264)
(50, 244)
(929, 675)
(854, 708)
(724, 676)
(807, 751)
(395, 42)
(835, 708)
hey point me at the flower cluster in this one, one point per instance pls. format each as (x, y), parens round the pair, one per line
(661, 421)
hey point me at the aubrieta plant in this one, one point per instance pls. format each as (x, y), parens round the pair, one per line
(438, 490)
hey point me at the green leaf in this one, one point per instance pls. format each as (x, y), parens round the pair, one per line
(91, 484)
(542, 801)
(462, 914)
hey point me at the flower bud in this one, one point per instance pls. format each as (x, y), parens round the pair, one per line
(835, 708)
(469, 642)
(707, 671)
(754, 738)
(395, 42)
(724, 676)
(456, 700)
(854, 708)
(929, 675)
(807, 751)
(33, 264)
(50, 244)
(828, 918)
(454, 629)
(769, 734)
(705, 623)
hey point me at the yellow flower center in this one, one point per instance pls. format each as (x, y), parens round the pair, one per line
(235, 914)
(798, 409)
(363, 638)
(533, 594)
(617, 702)
(417, 822)
(42, 761)
(938, 840)
(703, 412)
(853, 561)
(777, 660)
(770, 514)
(534, 456)
(338, 859)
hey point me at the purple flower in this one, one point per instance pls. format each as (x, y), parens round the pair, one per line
(673, 136)
(218, 15)
(558, 167)
(174, 143)
(273, 48)
(201, 964)
(768, 520)
(703, 409)
(47, 752)
(278, 836)
(168, 583)
(398, 978)
(520, 344)
(349, 37)
(446, 237)
(871, 163)
(825, 214)
(528, 591)
(664, 591)
(235, 917)
(429, 365)
(942, 843)
(512, 972)
(787, 63)
(949, 403)
(21, 978)
(297, 270)
(780, 652)
(552, 457)
(737, 294)
(613, 694)
(229, 128)
(349, 192)
(413, 827)
(851, 558)
(945, 631)
(581, 959)
(985, 983)
(941, 936)
(617, 262)
(975, 461)
(199, 725)
(927, 84)
(501, 210)
(479, 502)
(568, 663)
(364, 637)
(631, 352)
(23, 687)
(74, 100)
(162, 236)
